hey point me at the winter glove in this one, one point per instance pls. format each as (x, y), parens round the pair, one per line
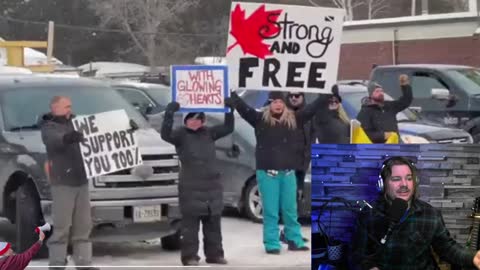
(336, 93)
(73, 137)
(404, 80)
(133, 125)
(173, 107)
(229, 102)
(234, 95)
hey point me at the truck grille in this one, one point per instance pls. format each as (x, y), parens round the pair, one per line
(165, 173)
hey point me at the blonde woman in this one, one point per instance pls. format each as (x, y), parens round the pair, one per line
(277, 129)
(332, 123)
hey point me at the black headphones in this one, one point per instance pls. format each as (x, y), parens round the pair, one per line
(388, 163)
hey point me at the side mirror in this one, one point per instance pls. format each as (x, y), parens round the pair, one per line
(149, 109)
(440, 94)
(233, 152)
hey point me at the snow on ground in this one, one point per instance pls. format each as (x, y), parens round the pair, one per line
(242, 240)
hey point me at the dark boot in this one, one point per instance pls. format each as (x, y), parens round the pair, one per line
(191, 262)
(273, 251)
(284, 240)
(293, 247)
(219, 260)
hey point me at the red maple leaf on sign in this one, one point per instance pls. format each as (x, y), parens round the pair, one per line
(250, 32)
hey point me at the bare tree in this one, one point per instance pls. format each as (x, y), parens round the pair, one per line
(376, 7)
(141, 19)
(348, 5)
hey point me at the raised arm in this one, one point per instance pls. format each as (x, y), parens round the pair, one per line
(311, 109)
(21, 261)
(220, 131)
(246, 112)
(407, 96)
(166, 131)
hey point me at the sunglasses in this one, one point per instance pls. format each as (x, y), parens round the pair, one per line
(294, 95)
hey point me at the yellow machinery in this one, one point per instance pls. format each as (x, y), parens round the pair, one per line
(15, 52)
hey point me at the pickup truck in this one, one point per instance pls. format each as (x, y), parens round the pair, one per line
(448, 94)
(120, 201)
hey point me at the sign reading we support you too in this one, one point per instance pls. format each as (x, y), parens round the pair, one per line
(200, 88)
(282, 47)
(110, 145)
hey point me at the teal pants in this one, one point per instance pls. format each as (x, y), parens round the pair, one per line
(279, 193)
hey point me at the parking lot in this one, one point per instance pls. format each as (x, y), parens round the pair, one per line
(242, 241)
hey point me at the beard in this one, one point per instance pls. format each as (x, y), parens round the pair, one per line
(379, 98)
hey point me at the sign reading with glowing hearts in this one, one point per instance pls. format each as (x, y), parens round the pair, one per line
(200, 88)
(283, 47)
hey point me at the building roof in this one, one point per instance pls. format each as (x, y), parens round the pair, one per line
(429, 66)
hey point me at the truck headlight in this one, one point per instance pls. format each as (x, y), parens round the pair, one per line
(411, 139)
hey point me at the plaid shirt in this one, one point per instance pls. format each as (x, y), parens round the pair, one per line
(409, 245)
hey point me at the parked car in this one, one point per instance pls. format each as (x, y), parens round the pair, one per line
(411, 125)
(235, 153)
(25, 197)
(444, 93)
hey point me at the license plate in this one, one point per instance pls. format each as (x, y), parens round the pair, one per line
(147, 213)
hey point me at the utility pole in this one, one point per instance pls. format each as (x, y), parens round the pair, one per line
(424, 7)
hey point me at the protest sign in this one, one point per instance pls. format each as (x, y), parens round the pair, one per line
(200, 88)
(283, 47)
(109, 145)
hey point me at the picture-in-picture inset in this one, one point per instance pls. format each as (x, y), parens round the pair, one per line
(395, 206)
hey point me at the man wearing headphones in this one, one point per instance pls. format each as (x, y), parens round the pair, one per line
(410, 243)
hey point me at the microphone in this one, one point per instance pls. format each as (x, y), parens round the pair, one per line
(395, 213)
(45, 228)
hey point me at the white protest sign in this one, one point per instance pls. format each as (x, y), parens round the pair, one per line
(110, 145)
(200, 87)
(284, 47)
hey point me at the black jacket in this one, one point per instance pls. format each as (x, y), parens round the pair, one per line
(330, 129)
(277, 146)
(66, 161)
(305, 138)
(376, 120)
(200, 187)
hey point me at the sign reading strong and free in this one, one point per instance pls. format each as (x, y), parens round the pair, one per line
(283, 47)
(110, 144)
(200, 87)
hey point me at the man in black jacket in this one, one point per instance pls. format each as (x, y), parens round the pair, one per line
(296, 102)
(69, 185)
(200, 187)
(306, 137)
(379, 117)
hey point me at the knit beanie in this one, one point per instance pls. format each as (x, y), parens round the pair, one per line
(372, 86)
(4, 247)
(196, 115)
(274, 95)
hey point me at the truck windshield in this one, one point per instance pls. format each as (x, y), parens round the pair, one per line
(162, 95)
(22, 107)
(467, 79)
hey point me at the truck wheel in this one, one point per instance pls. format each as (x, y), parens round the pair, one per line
(27, 217)
(252, 203)
(476, 138)
(171, 242)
